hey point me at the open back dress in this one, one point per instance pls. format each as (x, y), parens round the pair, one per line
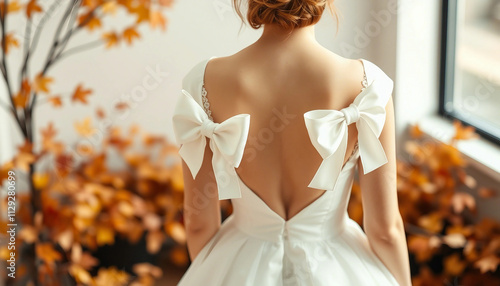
(255, 246)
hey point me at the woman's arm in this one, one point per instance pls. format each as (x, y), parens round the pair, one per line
(382, 220)
(202, 217)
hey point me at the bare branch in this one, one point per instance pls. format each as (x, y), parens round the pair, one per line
(31, 44)
(52, 50)
(26, 52)
(69, 29)
(6, 74)
(41, 24)
(80, 48)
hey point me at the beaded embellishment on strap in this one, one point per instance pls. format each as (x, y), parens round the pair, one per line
(206, 104)
(364, 83)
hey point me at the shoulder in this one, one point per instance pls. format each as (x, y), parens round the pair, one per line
(375, 73)
(193, 80)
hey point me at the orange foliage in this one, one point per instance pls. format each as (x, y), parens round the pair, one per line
(437, 200)
(75, 203)
(88, 205)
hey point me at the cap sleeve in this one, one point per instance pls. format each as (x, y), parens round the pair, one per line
(227, 139)
(327, 129)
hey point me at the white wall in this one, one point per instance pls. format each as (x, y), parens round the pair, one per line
(417, 62)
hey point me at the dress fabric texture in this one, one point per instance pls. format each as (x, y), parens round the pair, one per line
(320, 245)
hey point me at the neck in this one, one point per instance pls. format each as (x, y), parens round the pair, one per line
(275, 34)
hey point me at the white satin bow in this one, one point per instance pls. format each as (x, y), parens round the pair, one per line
(328, 132)
(227, 142)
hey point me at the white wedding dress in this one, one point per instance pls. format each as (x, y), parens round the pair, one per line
(320, 245)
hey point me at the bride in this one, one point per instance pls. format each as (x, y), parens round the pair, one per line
(280, 129)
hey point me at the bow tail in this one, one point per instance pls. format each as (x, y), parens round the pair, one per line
(371, 151)
(329, 170)
(192, 153)
(227, 179)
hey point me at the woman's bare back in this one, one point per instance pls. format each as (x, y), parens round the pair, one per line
(276, 87)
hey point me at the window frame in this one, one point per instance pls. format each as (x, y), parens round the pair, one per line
(447, 75)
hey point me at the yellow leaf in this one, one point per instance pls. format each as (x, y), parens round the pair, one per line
(179, 256)
(29, 234)
(415, 131)
(81, 275)
(109, 7)
(432, 222)
(462, 200)
(111, 39)
(129, 34)
(105, 235)
(41, 83)
(111, 277)
(453, 265)
(10, 41)
(166, 3)
(14, 6)
(85, 128)
(40, 180)
(20, 100)
(47, 253)
(32, 7)
(154, 241)
(455, 240)
(177, 232)
(125, 208)
(142, 13)
(488, 263)
(91, 4)
(463, 132)
(55, 101)
(49, 132)
(81, 94)
(4, 252)
(65, 239)
(91, 23)
(89, 20)
(144, 269)
(157, 20)
(25, 156)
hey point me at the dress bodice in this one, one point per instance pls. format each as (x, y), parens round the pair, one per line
(324, 218)
(327, 129)
(320, 245)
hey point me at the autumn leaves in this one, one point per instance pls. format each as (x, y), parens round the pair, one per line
(41, 86)
(143, 13)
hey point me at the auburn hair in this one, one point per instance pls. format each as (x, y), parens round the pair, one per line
(288, 14)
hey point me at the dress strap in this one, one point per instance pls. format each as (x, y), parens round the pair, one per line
(328, 129)
(206, 104)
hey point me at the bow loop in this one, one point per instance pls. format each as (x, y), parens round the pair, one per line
(328, 133)
(227, 142)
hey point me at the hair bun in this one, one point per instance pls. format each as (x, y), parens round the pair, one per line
(287, 14)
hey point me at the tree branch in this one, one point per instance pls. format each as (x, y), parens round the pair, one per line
(69, 29)
(52, 50)
(6, 74)
(26, 52)
(31, 44)
(80, 48)
(39, 28)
